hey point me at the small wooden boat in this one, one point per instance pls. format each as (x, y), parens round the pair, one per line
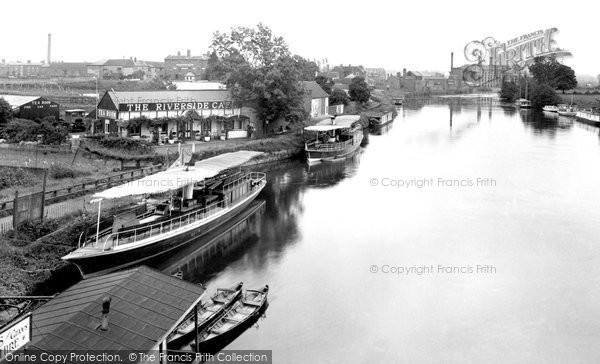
(220, 302)
(233, 322)
(523, 104)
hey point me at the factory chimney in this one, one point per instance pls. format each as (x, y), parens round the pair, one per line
(49, 48)
(451, 61)
(189, 53)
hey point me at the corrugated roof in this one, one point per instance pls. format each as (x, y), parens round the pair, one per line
(128, 97)
(18, 100)
(315, 91)
(146, 306)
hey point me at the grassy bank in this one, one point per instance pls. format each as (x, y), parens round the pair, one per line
(30, 257)
(582, 101)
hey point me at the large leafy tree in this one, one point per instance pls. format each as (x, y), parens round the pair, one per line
(543, 94)
(325, 83)
(5, 111)
(359, 90)
(338, 97)
(547, 70)
(260, 70)
(308, 69)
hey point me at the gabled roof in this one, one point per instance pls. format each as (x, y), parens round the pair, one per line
(314, 90)
(120, 63)
(146, 305)
(16, 101)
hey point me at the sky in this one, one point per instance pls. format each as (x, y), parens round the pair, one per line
(417, 35)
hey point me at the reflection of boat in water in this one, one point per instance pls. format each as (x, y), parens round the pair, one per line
(330, 174)
(336, 138)
(195, 260)
(208, 312)
(209, 194)
(233, 323)
(381, 130)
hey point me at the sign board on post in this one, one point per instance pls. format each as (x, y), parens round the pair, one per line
(15, 336)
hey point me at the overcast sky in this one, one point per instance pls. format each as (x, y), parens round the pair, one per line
(417, 35)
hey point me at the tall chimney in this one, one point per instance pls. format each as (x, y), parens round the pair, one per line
(451, 61)
(189, 53)
(49, 48)
(179, 53)
(105, 311)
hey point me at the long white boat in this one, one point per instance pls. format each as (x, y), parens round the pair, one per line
(550, 108)
(335, 138)
(589, 117)
(202, 197)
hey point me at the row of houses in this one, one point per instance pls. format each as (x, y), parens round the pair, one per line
(174, 67)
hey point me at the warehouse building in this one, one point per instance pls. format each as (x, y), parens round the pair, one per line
(167, 116)
(32, 107)
(185, 68)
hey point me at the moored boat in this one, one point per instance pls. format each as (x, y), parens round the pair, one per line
(550, 108)
(336, 138)
(589, 117)
(567, 110)
(379, 118)
(208, 312)
(202, 197)
(233, 322)
(523, 103)
(398, 100)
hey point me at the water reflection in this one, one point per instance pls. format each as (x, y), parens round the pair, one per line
(545, 123)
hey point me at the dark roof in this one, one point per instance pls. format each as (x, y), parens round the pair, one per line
(203, 58)
(126, 97)
(146, 306)
(315, 91)
(120, 62)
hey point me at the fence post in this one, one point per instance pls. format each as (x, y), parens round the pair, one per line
(15, 209)
(44, 193)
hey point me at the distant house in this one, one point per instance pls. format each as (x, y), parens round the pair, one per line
(375, 77)
(345, 71)
(392, 82)
(125, 68)
(19, 69)
(66, 69)
(32, 107)
(316, 100)
(177, 67)
(414, 81)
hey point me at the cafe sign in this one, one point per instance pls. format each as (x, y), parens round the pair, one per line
(176, 106)
(15, 336)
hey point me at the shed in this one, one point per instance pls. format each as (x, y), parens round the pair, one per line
(146, 306)
(32, 107)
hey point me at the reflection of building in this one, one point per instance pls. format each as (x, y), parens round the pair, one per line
(32, 107)
(180, 114)
(180, 67)
(316, 100)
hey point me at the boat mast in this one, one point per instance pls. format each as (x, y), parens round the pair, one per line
(98, 222)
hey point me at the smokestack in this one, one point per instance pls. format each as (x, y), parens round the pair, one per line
(105, 311)
(179, 53)
(189, 53)
(451, 61)
(49, 48)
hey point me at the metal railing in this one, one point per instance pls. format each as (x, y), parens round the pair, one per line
(147, 231)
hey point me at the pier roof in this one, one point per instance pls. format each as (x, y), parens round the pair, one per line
(146, 305)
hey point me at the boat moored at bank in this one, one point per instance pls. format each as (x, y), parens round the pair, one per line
(333, 139)
(589, 117)
(550, 108)
(200, 198)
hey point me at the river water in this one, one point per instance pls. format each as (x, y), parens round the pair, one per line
(464, 232)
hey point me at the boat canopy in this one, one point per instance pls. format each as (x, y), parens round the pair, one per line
(175, 178)
(339, 122)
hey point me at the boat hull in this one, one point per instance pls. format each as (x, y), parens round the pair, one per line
(110, 261)
(588, 118)
(315, 156)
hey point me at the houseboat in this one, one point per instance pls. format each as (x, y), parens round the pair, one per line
(191, 201)
(523, 104)
(379, 118)
(589, 117)
(398, 100)
(567, 110)
(333, 138)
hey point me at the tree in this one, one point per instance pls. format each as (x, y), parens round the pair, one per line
(565, 78)
(338, 97)
(5, 111)
(325, 83)
(509, 91)
(308, 69)
(259, 69)
(543, 94)
(547, 70)
(359, 90)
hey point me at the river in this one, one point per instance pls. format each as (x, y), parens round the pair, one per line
(465, 232)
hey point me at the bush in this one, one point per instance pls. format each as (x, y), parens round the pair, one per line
(10, 177)
(128, 144)
(19, 130)
(58, 171)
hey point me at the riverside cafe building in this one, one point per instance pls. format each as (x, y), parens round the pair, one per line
(169, 116)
